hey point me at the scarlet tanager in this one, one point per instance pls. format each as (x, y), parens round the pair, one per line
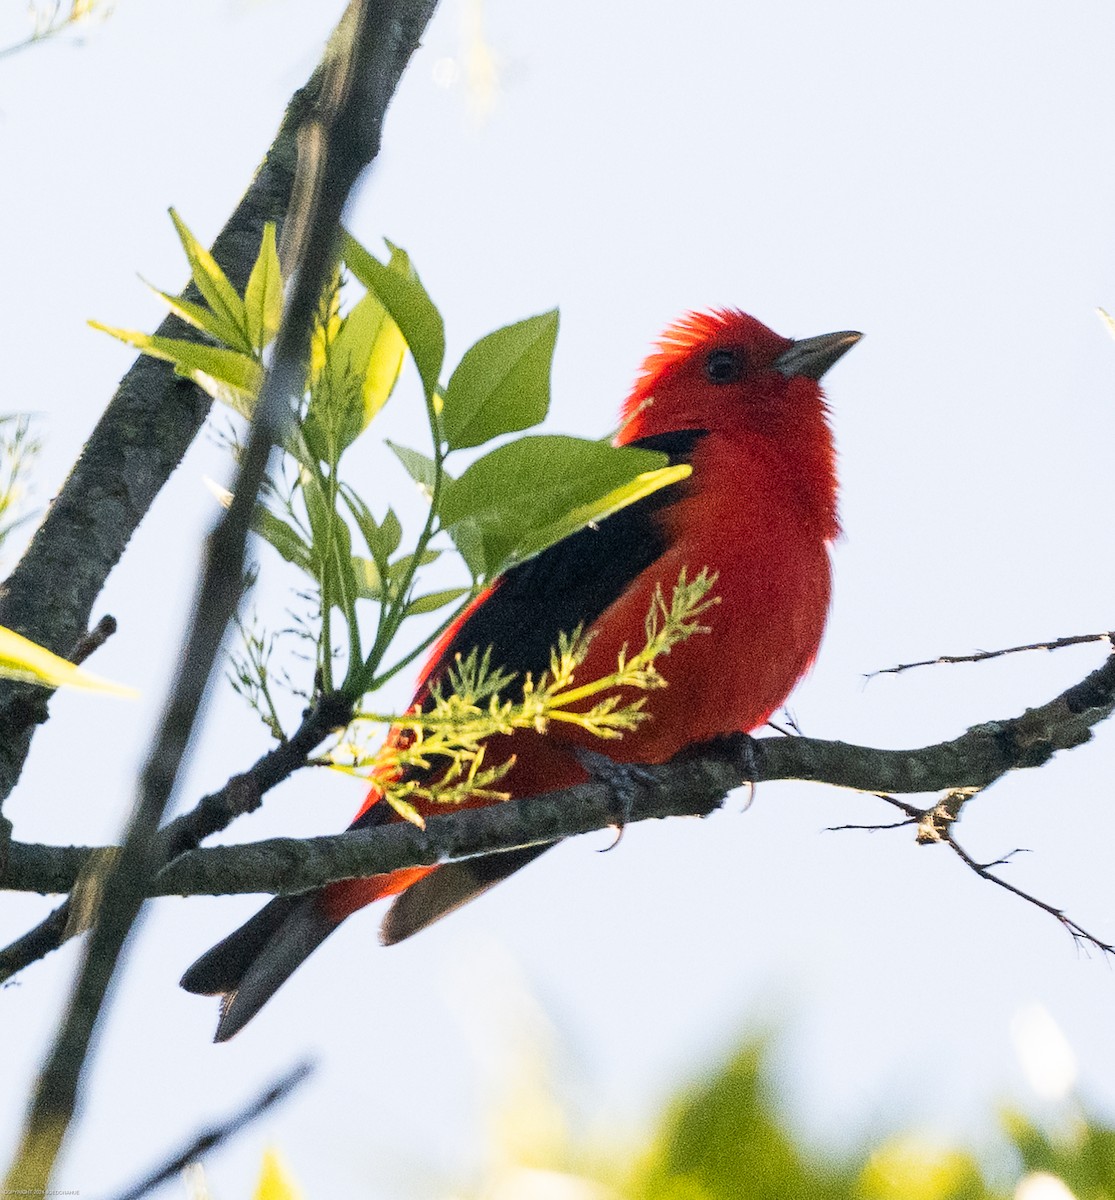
(744, 408)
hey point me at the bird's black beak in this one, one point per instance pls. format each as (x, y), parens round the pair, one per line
(813, 356)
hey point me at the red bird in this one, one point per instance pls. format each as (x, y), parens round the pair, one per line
(744, 408)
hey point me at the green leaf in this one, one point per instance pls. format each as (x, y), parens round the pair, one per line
(390, 535)
(469, 540)
(577, 518)
(263, 297)
(370, 347)
(196, 315)
(434, 601)
(524, 496)
(382, 538)
(421, 469)
(401, 566)
(283, 537)
(369, 580)
(227, 375)
(23, 659)
(331, 546)
(401, 293)
(502, 384)
(213, 284)
(338, 577)
(360, 363)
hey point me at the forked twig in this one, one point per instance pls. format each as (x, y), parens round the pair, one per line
(1080, 935)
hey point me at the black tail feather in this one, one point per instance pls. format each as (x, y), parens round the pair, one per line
(250, 965)
(221, 968)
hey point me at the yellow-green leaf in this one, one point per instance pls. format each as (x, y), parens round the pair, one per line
(400, 291)
(23, 659)
(227, 375)
(275, 1181)
(263, 297)
(193, 314)
(213, 284)
(370, 346)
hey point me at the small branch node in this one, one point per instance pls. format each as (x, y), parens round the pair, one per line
(93, 639)
(936, 823)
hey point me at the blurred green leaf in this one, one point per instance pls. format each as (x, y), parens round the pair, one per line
(435, 600)
(401, 293)
(219, 294)
(502, 384)
(523, 496)
(1084, 1156)
(909, 1167)
(283, 537)
(419, 467)
(723, 1141)
(263, 297)
(227, 375)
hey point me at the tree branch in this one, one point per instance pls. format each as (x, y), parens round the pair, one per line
(147, 428)
(339, 139)
(694, 784)
(211, 1138)
(242, 794)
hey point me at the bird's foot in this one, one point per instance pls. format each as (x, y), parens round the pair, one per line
(622, 779)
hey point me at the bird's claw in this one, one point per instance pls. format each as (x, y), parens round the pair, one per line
(622, 779)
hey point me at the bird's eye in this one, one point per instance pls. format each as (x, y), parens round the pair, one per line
(724, 366)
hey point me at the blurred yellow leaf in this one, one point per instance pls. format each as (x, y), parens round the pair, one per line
(275, 1182)
(912, 1168)
(22, 659)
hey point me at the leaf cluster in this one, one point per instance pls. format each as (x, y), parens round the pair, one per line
(728, 1136)
(436, 754)
(363, 570)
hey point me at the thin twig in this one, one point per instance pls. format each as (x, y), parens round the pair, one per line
(871, 828)
(1079, 639)
(1080, 935)
(211, 1138)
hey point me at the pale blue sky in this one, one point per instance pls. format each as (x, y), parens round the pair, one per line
(937, 176)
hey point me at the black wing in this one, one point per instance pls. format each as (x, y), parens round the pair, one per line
(573, 581)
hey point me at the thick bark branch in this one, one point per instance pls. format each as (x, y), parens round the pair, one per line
(144, 432)
(694, 784)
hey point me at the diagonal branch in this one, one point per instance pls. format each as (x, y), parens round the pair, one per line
(340, 137)
(146, 429)
(215, 1136)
